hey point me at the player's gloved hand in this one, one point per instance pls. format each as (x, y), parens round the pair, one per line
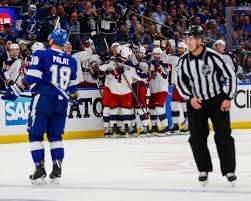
(9, 82)
(157, 66)
(74, 99)
(12, 92)
(149, 75)
(118, 71)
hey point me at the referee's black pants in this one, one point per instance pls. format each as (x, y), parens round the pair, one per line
(199, 130)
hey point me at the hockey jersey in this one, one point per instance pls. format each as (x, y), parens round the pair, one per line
(159, 81)
(52, 72)
(119, 84)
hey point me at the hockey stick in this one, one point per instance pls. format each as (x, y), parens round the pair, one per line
(135, 96)
(22, 95)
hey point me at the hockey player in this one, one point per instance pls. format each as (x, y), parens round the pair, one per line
(120, 98)
(68, 48)
(12, 65)
(140, 90)
(52, 74)
(158, 88)
(176, 98)
(228, 57)
(115, 49)
(85, 78)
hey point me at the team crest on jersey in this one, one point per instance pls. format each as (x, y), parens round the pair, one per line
(206, 70)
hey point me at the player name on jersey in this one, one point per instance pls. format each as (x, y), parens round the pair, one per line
(61, 60)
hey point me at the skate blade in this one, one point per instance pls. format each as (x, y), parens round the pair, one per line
(233, 183)
(115, 136)
(164, 134)
(55, 181)
(40, 181)
(142, 135)
(204, 183)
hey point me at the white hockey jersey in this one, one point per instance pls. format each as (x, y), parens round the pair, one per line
(172, 61)
(84, 58)
(118, 84)
(15, 72)
(159, 81)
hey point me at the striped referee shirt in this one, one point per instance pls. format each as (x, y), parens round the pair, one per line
(201, 76)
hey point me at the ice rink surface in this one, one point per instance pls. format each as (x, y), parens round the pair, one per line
(137, 169)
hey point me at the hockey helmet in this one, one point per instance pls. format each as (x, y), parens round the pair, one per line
(195, 31)
(157, 50)
(37, 46)
(141, 49)
(14, 46)
(182, 45)
(126, 52)
(116, 44)
(60, 36)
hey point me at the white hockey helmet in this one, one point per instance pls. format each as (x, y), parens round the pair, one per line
(156, 43)
(182, 45)
(116, 44)
(126, 52)
(14, 46)
(157, 50)
(221, 42)
(37, 46)
(141, 49)
(14, 50)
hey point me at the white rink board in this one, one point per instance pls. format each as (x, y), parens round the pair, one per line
(14, 115)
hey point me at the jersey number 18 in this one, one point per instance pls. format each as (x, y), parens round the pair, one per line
(60, 76)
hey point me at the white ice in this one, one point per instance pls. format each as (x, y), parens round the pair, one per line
(149, 169)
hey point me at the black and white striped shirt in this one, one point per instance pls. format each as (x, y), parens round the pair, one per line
(201, 76)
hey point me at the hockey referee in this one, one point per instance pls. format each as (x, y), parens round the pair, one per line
(200, 76)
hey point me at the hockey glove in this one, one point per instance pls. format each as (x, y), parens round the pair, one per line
(12, 92)
(118, 71)
(74, 99)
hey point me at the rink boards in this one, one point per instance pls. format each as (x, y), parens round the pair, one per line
(87, 122)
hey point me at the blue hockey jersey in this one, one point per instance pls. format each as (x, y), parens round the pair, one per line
(52, 72)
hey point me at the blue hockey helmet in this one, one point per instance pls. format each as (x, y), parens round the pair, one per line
(60, 36)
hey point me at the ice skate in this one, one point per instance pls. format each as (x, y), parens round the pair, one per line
(38, 177)
(115, 133)
(127, 131)
(144, 132)
(203, 178)
(107, 133)
(174, 129)
(231, 177)
(56, 171)
(134, 130)
(164, 132)
(184, 131)
(154, 129)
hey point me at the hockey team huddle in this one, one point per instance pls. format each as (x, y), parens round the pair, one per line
(128, 74)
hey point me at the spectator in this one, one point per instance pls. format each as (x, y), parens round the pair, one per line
(159, 16)
(29, 26)
(108, 17)
(132, 24)
(139, 7)
(88, 19)
(169, 29)
(69, 8)
(63, 19)
(122, 34)
(73, 28)
(147, 22)
(7, 33)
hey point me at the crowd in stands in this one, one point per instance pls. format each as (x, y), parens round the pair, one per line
(131, 20)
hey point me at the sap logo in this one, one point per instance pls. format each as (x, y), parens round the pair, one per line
(16, 113)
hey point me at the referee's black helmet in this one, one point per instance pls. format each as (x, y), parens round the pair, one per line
(195, 31)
